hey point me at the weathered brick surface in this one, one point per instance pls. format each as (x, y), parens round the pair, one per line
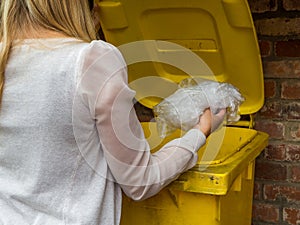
(277, 184)
(265, 212)
(257, 191)
(271, 171)
(274, 129)
(292, 153)
(290, 48)
(292, 131)
(290, 89)
(291, 5)
(272, 109)
(273, 192)
(275, 152)
(270, 88)
(278, 26)
(292, 110)
(261, 6)
(265, 48)
(282, 69)
(295, 176)
(281, 152)
(291, 215)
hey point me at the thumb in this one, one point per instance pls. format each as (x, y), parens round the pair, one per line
(218, 119)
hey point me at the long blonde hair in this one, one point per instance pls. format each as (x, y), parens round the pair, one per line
(68, 17)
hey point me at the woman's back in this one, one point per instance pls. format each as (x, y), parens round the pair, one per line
(43, 177)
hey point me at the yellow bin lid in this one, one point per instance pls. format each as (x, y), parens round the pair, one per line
(165, 42)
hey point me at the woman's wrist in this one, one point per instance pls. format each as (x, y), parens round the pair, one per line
(206, 132)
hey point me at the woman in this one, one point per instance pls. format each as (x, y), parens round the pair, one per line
(69, 139)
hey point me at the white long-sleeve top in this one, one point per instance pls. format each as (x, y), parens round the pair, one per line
(70, 139)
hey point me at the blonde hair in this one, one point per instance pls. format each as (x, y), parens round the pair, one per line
(68, 17)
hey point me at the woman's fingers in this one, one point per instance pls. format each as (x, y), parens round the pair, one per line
(209, 122)
(218, 119)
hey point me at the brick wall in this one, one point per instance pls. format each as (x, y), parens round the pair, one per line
(277, 179)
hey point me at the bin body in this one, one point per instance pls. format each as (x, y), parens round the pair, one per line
(161, 39)
(215, 192)
(189, 208)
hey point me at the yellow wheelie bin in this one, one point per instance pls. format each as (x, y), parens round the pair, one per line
(166, 42)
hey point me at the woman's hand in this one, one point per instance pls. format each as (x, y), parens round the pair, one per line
(209, 122)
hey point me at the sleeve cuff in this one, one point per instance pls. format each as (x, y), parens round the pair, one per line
(191, 141)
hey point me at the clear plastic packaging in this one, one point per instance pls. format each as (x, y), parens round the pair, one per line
(183, 108)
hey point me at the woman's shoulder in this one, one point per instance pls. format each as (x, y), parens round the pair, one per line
(100, 47)
(102, 52)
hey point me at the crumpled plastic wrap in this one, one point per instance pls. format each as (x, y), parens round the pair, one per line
(183, 108)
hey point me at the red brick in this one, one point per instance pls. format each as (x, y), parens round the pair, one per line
(292, 110)
(293, 152)
(290, 48)
(293, 131)
(271, 110)
(278, 69)
(276, 130)
(270, 88)
(278, 192)
(290, 5)
(290, 89)
(260, 6)
(265, 48)
(278, 26)
(295, 170)
(296, 68)
(291, 216)
(256, 191)
(275, 152)
(265, 212)
(270, 171)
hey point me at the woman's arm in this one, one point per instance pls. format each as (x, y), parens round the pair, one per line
(140, 173)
